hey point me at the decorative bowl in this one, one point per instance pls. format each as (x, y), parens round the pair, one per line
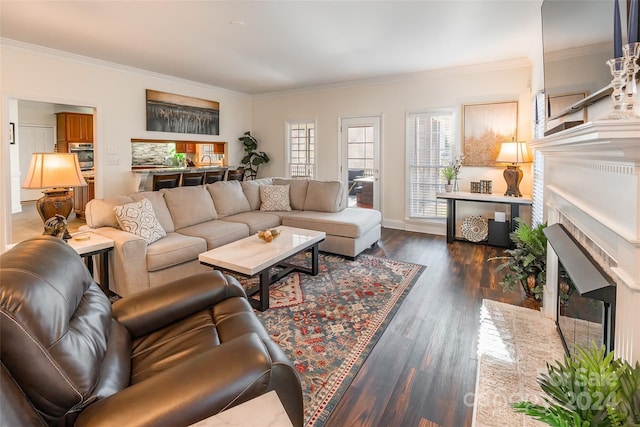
(268, 235)
(475, 228)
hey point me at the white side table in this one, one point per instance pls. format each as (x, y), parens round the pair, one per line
(96, 245)
(265, 410)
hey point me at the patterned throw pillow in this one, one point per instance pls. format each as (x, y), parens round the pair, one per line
(139, 218)
(274, 198)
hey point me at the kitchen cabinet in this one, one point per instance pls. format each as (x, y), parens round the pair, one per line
(182, 147)
(73, 127)
(81, 196)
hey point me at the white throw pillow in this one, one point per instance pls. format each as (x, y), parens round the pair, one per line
(274, 198)
(139, 218)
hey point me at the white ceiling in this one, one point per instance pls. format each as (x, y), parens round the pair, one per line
(268, 46)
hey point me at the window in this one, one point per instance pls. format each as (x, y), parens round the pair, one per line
(430, 139)
(537, 209)
(301, 143)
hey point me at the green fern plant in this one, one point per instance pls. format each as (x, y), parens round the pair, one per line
(526, 263)
(590, 390)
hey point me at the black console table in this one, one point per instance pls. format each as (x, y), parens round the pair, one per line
(463, 196)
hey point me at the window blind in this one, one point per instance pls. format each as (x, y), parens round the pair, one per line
(430, 137)
(537, 208)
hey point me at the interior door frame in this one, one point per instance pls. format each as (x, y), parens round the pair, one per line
(368, 119)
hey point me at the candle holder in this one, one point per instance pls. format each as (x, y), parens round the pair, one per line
(618, 68)
(631, 52)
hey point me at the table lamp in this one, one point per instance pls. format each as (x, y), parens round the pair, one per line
(513, 153)
(54, 172)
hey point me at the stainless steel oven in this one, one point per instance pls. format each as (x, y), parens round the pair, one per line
(84, 150)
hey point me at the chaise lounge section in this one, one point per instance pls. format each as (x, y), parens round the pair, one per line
(199, 218)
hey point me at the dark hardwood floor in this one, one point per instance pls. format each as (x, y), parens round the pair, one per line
(422, 371)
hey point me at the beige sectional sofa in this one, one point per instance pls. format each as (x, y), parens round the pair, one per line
(196, 219)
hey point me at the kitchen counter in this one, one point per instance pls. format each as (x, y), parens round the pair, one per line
(173, 169)
(143, 174)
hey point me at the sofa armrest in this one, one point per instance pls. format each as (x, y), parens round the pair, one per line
(155, 308)
(128, 261)
(192, 391)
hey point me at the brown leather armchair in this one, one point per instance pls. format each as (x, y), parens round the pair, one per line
(169, 356)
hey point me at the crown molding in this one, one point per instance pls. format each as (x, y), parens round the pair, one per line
(72, 57)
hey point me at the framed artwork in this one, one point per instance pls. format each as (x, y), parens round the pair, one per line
(167, 112)
(484, 127)
(12, 133)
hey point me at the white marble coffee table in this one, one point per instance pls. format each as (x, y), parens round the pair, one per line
(263, 411)
(251, 257)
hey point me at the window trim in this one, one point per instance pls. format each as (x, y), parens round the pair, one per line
(451, 111)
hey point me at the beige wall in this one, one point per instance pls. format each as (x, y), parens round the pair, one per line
(393, 99)
(118, 95)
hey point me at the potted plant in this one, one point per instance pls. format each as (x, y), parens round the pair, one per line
(448, 173)
(252, 159)
(526, 263)
(590, 389)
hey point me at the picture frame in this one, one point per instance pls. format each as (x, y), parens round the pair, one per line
(484, 127)
(167, 112)
(12, 133)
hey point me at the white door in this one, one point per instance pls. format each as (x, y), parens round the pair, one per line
(360, 138)
(33, 139)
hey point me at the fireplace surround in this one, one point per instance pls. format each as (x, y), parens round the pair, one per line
(586, 296)
(592, 187)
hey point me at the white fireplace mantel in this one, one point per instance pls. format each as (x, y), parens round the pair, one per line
(592, 182)
(603, 139)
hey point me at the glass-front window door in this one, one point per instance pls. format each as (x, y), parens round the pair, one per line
(361, 164)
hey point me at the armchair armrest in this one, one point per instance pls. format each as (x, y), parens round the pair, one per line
(128, 261)
(155, 308)
(205, 385)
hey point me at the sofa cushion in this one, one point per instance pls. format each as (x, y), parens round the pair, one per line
(251, 191)
(274, 198)
(99, 212)
(189, 205)
(217, 233)
(228, 197)
(350, 222)
(139, 218)
(172, 250)
(324, 196)
(297, 190)
(159, 207)
(256, 221)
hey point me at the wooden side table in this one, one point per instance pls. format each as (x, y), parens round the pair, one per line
(96, 245)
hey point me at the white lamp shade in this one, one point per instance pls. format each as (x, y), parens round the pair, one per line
(50, 170)
(513, 152)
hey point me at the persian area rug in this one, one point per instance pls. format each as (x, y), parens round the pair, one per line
(514, 345)
(328, 324)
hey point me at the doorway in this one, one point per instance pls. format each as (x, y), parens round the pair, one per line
(36, 123)
(360, 143)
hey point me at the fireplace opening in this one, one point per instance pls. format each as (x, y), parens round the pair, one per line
(586, 295)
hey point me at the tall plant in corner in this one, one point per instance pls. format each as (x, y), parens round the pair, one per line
(252, 159)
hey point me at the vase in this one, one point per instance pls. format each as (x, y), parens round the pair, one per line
(455, 185)
(448, 188)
